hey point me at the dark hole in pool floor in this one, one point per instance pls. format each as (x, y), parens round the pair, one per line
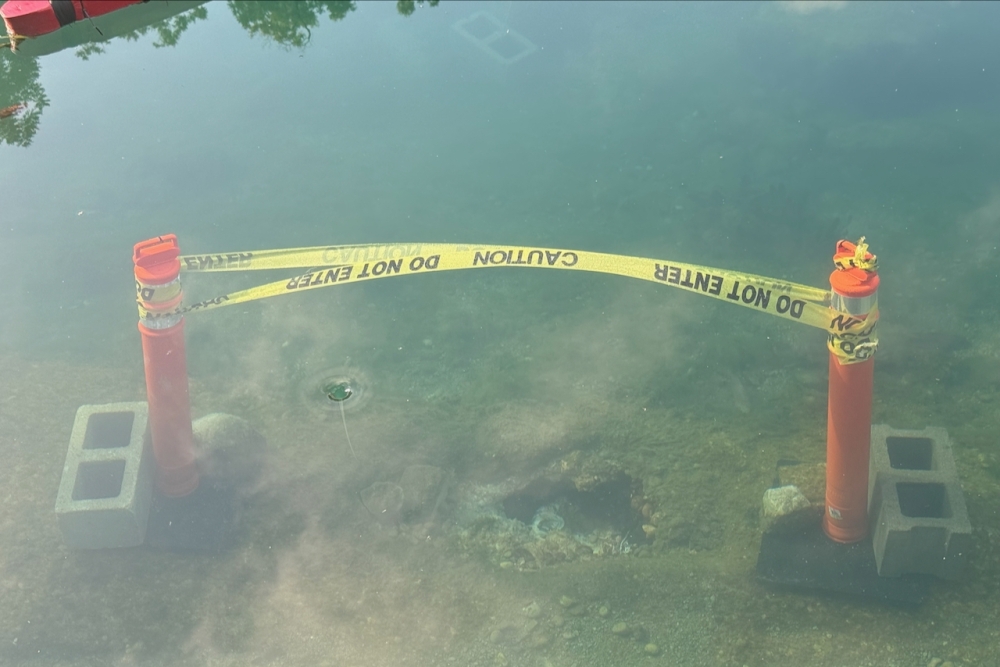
(606, 506)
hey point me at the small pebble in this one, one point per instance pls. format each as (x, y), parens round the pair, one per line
(603, 612)
(504, 634)
(619, 629)
(651, 649)
(566, 602)
(532, 610)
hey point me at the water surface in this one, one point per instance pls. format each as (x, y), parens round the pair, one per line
(747, 136)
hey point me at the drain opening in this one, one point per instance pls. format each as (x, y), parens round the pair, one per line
(338, 391)
(334, 390)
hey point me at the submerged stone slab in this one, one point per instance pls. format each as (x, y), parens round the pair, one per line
(106, 486)
(916, 507)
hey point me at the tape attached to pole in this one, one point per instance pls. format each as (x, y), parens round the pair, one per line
(330, 266)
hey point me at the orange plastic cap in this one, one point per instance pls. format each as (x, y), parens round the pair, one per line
(854, 282)
(156, 260)
(849, 279)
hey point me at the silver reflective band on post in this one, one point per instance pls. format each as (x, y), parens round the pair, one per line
(164, 322)
(853, 305)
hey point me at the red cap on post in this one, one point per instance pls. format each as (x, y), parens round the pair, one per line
(857, 272)
(156, 260)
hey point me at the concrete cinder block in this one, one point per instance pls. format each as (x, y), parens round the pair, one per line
(915, 504)
(106, 487)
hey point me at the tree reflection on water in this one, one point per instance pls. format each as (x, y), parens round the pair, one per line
(288, 23)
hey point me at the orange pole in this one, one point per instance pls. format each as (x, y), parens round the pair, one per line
(849, 408)
(157, 276)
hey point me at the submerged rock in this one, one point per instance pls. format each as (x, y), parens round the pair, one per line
(546, 520)
(781, 504)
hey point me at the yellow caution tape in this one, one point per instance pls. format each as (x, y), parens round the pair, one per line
(153, 294)
(851, 338)
(862, 259)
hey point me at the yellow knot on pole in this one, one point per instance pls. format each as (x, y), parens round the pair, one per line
(861, 259)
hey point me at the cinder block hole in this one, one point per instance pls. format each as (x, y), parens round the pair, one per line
(927, 501)
(108, 430)
(98, 479)
(910, 453)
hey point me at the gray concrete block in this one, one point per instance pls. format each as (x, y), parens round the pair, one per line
(106, 487)
(915, 504)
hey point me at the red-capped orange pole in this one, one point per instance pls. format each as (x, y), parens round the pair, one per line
(158, 287)
(849, 411)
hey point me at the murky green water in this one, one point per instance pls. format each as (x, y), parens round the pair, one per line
(523, 460)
